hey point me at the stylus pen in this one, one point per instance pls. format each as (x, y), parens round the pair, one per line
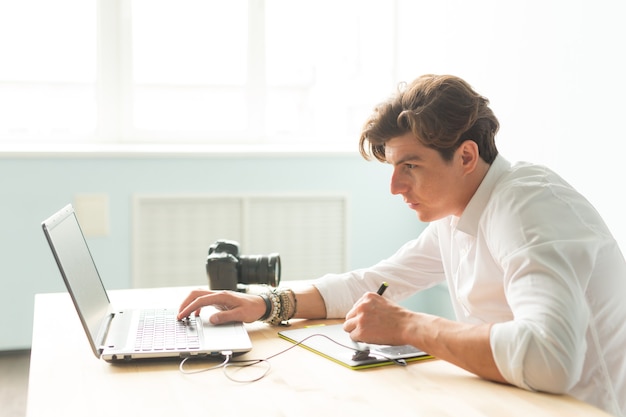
(382, 288)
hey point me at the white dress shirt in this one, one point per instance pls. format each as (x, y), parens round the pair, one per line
(532, 255)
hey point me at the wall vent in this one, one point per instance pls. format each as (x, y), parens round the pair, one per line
(172, 234)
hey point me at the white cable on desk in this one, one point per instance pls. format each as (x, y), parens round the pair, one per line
(253, 362)
(228, 355)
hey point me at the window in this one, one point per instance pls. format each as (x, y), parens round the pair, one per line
(48, 72)
(192, 71)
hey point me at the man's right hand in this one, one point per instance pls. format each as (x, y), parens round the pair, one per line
(232, 306)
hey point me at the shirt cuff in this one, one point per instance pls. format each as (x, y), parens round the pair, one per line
(336, 294)
(509, 349)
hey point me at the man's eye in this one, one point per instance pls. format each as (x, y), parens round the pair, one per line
(410, 166)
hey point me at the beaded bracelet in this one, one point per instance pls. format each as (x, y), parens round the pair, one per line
(275, 316)
(280, 306)
(288, 302)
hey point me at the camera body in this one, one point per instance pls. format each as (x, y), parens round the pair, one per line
(228, 270)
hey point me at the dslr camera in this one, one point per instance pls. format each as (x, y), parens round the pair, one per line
(228, 270)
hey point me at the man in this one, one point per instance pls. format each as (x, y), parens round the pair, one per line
(535, 277)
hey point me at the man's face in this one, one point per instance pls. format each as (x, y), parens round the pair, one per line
(434, 188)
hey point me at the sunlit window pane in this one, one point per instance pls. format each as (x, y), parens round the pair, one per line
(47, 112)
(189, 64)
(43, 40)
(189, 110)
(189, 41)
(48, 71)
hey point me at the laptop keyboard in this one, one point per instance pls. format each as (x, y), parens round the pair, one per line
(159, 329)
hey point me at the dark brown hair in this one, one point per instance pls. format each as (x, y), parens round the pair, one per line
(442, 111)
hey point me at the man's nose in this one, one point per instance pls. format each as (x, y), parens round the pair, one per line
(397, 184)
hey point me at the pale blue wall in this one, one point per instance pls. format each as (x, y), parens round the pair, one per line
(32, 188)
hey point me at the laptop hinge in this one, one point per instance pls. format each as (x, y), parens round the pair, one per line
(104, 331)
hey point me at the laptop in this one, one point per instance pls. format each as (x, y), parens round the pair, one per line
(124, 335)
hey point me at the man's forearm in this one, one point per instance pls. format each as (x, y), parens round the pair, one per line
(465, 345)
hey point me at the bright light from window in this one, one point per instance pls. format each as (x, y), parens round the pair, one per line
(48, 41)
(193, 71)
(189, 42)
(189, 68)
(326, 67)
(48, 71)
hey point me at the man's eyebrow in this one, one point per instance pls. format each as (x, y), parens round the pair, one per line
(407, 158)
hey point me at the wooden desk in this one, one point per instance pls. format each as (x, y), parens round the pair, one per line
(67, 380)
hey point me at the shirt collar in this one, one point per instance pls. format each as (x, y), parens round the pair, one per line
(468, 222)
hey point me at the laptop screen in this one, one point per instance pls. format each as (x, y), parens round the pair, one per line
(78, 270)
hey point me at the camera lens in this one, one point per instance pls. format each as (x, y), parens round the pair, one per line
(260, 269)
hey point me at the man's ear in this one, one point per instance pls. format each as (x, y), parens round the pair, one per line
(469, 154)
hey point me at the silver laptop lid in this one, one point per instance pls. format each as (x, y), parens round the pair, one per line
(79, 272)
